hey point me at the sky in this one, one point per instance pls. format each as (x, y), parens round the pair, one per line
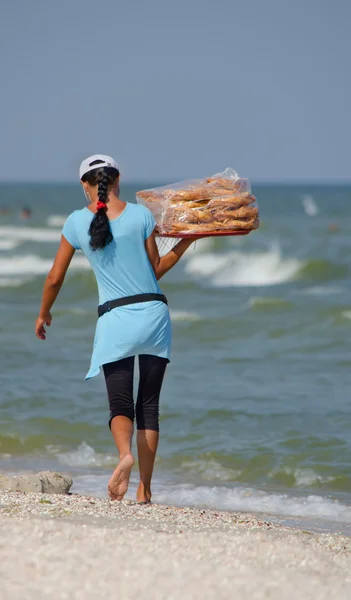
(176, 89)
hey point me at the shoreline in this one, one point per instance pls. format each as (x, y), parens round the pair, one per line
(318, 524)
(73, 546)
(75, 506)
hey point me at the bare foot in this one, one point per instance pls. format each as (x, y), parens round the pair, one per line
(143, 494)
(118, 484)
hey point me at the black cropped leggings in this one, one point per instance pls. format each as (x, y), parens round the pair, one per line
(119, 383)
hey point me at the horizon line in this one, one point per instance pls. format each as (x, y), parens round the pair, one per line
(161, 182)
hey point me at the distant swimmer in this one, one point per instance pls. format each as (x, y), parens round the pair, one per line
(119, 240)
(26, 213)
(333, 228)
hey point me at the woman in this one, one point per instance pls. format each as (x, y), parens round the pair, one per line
(118, 239)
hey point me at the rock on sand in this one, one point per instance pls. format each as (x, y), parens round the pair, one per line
(44, 482)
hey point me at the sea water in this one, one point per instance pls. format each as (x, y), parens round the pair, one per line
(255, 409)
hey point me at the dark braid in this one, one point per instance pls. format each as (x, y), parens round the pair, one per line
(103, 181)
(99, 230)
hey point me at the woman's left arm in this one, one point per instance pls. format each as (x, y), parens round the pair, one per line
(53, 285)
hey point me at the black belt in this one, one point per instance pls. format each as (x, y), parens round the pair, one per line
(107, 306)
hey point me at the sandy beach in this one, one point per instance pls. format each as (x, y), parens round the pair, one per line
(72, 546)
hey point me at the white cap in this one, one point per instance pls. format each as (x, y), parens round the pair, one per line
(86, 165)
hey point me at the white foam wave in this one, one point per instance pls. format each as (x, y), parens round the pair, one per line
(8, 244)
(238, 498)
(12, 281)
(210, 470)
(310, 207)
(309, 477)
(346, 314)
(250, 500)
(56, 220)
(30, 234)
(302, 477)
(85, 456)
(244, 269)
(35, 265)
(183, 315)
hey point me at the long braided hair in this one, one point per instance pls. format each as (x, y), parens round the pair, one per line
(99, 230)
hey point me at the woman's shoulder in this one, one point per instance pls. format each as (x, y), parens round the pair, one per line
(76, 219)
(73, 227)
(80, 215)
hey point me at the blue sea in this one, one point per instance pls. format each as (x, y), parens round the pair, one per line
(255, 410)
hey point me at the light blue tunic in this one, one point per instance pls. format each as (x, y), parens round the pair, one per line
(123, 269)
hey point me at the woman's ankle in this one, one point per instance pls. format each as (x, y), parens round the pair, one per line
(144, 492)
(126, 454)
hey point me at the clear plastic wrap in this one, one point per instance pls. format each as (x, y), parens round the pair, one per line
(218, 205)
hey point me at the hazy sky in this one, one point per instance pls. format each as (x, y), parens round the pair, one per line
(176, 89)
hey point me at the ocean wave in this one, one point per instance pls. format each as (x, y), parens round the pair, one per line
(322, 290)
(12, 281)
(236, 269)
(228, 496)
(323, 270)
(84, 456)
(309, 205)
(56, 220)
(234, 498)
(31, 264)
(211, 470)
(183, 315)
(6, 244)
(13, 444)
(30, 234)
(246, 499)
(262, 303)
(298, 477)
